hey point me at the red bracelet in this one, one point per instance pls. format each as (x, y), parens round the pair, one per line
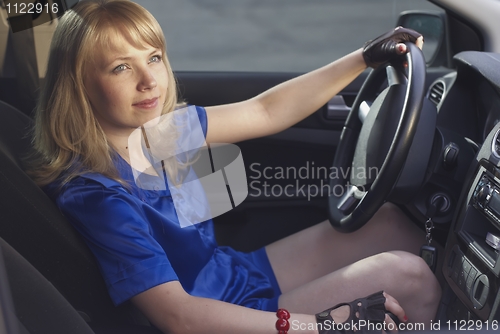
(282, 324)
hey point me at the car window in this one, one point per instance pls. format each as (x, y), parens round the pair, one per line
(273, 35)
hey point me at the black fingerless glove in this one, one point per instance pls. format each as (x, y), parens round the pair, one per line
(383, 48)
(368, 309)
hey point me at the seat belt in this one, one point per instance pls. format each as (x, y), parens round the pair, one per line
(22, 41)
(21, 46)
(26, 67)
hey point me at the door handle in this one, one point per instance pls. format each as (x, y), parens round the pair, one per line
(337, 109)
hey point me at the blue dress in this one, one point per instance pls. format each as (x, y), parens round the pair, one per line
(136, 238)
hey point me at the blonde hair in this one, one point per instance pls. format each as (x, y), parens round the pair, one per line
(67, 137)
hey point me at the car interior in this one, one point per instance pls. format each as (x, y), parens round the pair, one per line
(448, 163)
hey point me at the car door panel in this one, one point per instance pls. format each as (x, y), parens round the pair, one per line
(287, 173)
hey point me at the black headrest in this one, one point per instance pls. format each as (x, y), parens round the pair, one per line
(32, 224)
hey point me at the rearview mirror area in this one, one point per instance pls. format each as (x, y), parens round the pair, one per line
(432, 25)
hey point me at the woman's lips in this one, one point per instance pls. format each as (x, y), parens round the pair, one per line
(147, 104)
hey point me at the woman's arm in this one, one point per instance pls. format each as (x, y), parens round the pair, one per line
(172, 310)
(288, 103)
(284, 105)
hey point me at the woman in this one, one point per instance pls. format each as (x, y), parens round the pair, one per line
(108, 74)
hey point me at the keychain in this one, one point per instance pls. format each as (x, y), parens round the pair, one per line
(427, 252)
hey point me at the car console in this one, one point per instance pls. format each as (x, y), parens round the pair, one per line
(472, 264)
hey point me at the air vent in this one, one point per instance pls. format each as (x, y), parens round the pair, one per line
(436, 92)
(495, 145)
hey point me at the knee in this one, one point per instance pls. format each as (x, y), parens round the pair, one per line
(410, 268)
(414, 276)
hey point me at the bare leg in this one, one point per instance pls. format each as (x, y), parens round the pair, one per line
(320, 250)
(402, 275)
(308, 262)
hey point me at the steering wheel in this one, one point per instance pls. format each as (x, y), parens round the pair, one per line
(375, 141)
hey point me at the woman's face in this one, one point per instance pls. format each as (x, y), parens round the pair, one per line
(126, 86)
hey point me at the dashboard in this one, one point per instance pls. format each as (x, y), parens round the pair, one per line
(469, 108)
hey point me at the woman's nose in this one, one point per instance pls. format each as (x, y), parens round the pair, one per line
(147, 80)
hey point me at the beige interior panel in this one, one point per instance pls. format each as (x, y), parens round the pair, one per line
(43, 36)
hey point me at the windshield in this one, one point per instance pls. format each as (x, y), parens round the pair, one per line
(273, 35)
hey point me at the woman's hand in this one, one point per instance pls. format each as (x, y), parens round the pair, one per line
(392, 306)
(390, 45)
(341, 314)
(374, 308)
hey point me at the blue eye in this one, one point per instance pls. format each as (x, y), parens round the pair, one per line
(120, 68)
(155, 59)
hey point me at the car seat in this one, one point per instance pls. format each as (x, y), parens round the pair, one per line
(38, 306)
(31, 305)
(32, 224)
